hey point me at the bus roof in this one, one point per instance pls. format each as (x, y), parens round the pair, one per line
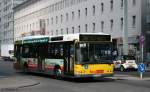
(34, 37)
(66, 37)
(71, 37)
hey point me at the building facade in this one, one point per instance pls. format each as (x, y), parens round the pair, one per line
(56, 17)
(6, 25)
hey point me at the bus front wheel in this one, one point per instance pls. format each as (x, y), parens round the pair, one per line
(122, 69)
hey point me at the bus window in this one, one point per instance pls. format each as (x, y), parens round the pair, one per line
(28, 51)
(93, 53)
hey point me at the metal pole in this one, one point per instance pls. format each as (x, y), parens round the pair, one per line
(141, 75)
(125, 28)
(142, 53)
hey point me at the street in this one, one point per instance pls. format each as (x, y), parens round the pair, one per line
(45, 83)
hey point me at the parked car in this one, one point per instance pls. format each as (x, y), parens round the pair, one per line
(125, 62)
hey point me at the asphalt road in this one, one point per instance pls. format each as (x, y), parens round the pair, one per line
(48, 84)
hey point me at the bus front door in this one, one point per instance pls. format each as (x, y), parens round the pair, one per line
(69, 62)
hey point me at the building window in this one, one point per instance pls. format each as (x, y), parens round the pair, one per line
(134, 2)
(133, 21)
(52, 33)
(93, 27)
(102, 7)
(85, 11)
(121, 3)
(111, 4)
(86, 27)
(72, 29)
(61, 31)
(52, 21)
(148, 3)
(67, 30)
(111, 24)
(72, 15)
(61, 18)
(67, 17)
(47, 22)
(56, 32)
(121, 23)
(79, 14)
(56, 19)
(79, 29)
(93, 10)
(102, 26)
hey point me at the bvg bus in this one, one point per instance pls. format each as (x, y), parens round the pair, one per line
(73, 55)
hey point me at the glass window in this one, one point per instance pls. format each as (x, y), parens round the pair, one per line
(133, 21)
(61, 31)
(67, 30)
(73, 15)
(102, 7)
(121, 23)
(93, 9)
(94, 53)
(134, 2)
(67, 17)
(56, 32)
(79, 29)
(72, 29)
(52, 21)
(86, 27)
(121, 3)
(111, 24)
(79, 14)
(52, 33)
(61, 18)
(111, 4)
(93, 27)
(85, 11)
(102, 26)
(56, 19)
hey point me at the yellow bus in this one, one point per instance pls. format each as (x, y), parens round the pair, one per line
(77, 55)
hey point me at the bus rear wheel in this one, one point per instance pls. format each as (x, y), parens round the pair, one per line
(25, 67)
(58, 72)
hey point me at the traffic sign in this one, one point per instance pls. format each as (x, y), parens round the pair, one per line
(141, 68)
(142, 39)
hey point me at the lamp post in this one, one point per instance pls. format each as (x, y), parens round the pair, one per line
(125, 28)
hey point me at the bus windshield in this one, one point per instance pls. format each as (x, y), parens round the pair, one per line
(94, 53)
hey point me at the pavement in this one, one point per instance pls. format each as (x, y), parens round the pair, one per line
(130, 77)
(16, 82)
(21, 82)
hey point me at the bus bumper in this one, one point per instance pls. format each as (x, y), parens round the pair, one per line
(93, 76)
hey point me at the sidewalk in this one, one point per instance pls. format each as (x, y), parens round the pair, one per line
(16, 82)
(130, 77)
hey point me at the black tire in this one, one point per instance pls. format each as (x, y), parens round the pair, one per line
(122, 69)
(58, 72)
(25, 68)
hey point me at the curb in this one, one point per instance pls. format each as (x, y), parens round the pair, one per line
(15, 83)
(23, 86)
(5, 89)
(30, 85)
(131, 78)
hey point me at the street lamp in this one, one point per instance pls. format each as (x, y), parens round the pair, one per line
(125, 28)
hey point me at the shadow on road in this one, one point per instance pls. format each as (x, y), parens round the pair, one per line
(75, 80)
